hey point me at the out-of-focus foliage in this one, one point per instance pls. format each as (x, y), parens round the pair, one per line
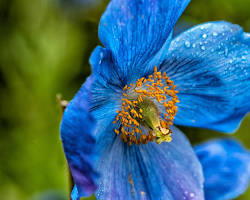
(45, 46)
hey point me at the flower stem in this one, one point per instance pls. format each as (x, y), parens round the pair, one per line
(63, 104)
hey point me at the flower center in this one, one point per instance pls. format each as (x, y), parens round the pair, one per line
(148, 110)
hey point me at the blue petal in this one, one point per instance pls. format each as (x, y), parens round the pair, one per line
(106, 89)
(166, 171)
(77, 128)
(90, 112)
(103, 67)
(226, 168)
(135, 31)
(210, 64)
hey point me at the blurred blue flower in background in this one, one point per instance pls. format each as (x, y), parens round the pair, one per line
(108, 128)
(226, 168)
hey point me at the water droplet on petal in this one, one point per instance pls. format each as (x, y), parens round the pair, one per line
(215, 34)
(187, 44)
(204, 36)
(191, 194)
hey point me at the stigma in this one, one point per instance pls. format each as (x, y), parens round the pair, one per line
(148, 110)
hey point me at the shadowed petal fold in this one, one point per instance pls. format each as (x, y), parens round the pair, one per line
(103, 67)
(210, 65)
(106, 89)
(135, 31)
(77, 128)
(166, 171)
(226, 168)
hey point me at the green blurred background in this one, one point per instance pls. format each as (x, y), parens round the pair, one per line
(45, 46)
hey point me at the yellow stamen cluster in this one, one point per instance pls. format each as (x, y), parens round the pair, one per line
(159, 90)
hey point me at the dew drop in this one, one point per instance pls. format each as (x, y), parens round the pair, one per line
(204, 36)
(203, 48)
(187, 44)
(215, 34)
(191, 194)
(194, 45)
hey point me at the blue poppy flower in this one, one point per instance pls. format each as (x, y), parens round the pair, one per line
(118, 132)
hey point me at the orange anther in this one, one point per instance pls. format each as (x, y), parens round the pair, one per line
(157, 87)
(117, 132)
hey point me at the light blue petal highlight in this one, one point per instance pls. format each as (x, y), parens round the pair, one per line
(226, 168)
(79, 143)
(166, 171)
(75, 194)
(135, 31)
(210, 64)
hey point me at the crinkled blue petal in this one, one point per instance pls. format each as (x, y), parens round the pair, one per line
(226, 168)
(165, 171)
(77, 128)
(135, 31)
(210, 64)
(98, 98)
(90, 112)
